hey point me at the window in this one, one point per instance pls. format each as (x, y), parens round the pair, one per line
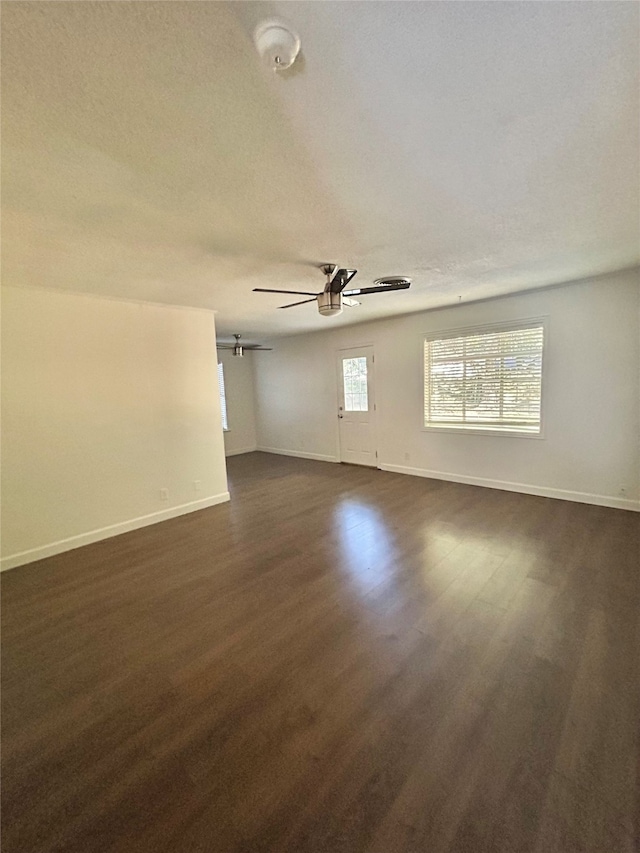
(486, 379)
(354, 373)
(223, 399)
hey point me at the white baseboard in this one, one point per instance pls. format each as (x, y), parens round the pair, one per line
(524, 488)
(299, 453)
(53, 548)
(242, 450)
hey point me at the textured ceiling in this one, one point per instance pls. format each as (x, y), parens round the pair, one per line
(481, 148)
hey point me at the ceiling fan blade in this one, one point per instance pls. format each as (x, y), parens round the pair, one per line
(293, 304)
(256, 346)
(269, 290)
(225, 346)
(380, 289)
(340, 280)
(243, 247)
(350, 302)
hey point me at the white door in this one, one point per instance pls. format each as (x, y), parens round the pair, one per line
(356, 406)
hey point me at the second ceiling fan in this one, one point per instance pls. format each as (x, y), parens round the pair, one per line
(334, 296)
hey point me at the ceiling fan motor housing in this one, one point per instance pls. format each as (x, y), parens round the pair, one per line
(329, 304)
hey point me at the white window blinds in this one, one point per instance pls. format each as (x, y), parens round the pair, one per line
(223, 399)
(485, 380)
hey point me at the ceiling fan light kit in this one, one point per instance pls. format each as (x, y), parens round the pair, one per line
(329, 304)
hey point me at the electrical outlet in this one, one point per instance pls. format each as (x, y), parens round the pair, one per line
(197, 485)
(406, 457)
(164, 494)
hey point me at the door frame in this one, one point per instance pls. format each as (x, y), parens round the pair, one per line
(338, 367)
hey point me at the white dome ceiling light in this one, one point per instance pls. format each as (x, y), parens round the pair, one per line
(277, 43)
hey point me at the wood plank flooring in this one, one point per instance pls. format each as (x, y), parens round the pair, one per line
(340, 660)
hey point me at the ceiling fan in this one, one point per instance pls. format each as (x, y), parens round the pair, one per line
(335, 296)
(238, 348)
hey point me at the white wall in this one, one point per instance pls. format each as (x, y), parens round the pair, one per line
(590, 449)
(239, 393)
(104, 403)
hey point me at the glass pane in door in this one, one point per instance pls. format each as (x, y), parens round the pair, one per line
(354, 377)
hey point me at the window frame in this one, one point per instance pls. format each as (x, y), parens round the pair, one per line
(222, 396)
(489, 328)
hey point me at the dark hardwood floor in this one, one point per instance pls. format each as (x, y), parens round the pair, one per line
(339, 660)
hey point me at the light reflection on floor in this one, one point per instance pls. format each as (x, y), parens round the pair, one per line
(367, 545)
(442, 580)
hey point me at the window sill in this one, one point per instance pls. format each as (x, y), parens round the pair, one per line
(471, 430)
